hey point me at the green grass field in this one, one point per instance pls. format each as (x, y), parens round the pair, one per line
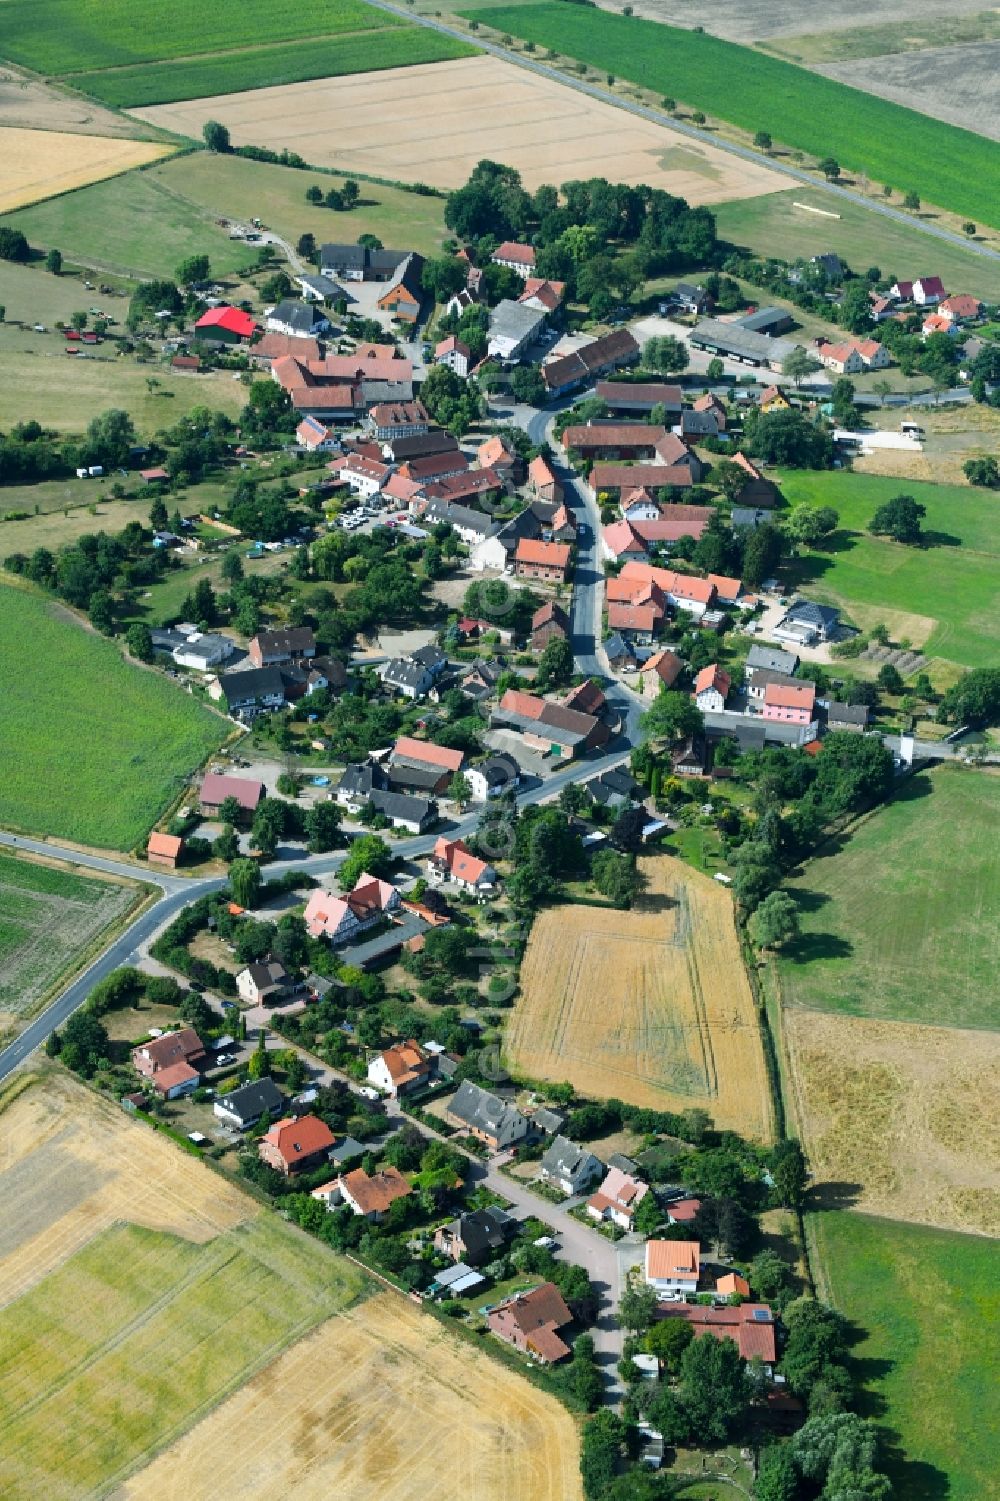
(139, 1334)
(955, 586)
(68, 36)
(92, 749)
(903, 922)
(952, 168)
(772, 225)
(48, 917)
(265, 67)
(929, 1305)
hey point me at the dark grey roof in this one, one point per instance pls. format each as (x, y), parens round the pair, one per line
(499, 770)
(375, 391)
(706, 423)
(251, 686)
(847, 713)
(765, 318)
(763, 676)
(402, 806)
(424, 778)
(488, 1113)
(713, 334)
(362, 778)
(751, 516)
(772, 658)
(429, 656)
(346, 1150)
(625, 1164)
(548, 1120)
(565, 1157)
(361, 258)
(302, 317)
(459, 516)
(616, 649)
(422, 445)
(250, 1101)
(831, 264)
(514, 320)
(321, 286)
(484, 1230)
(689, 292)
(620, 781)
(403, 672)
(807, 611)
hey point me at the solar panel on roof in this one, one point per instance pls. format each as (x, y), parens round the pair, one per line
(762, 1315)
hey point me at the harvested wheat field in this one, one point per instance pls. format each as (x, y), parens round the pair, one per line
(433, 123)
(41, 163)
(651, 1006)
(137, 1290)
(380, 1402)
(898, 1119)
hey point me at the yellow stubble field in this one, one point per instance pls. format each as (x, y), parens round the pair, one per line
(433, 123)
(41, 163)
(651, 1006)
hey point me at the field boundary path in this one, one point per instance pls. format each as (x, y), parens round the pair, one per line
(658, 117)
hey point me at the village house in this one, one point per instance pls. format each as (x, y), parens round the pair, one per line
(297, 320)
(401, 1068)
(762, 679)
(164, 849)
(568, 1166)
(773, 399)
(545, 296)
(789, 703)
(854, 356)
(761, 658)
(452, 352)
(549, 727)
(172, 1063)
(516, 257)
(805, 622)
(530, 1322)
(608, 352)
(548, 623)
(617, 1198)
(398, 419)
(403, 297)
(639, 399)
(295, 1144)
(672, 1267)
(498, 773)
(217, 788)
(274, 346)
(926, 291)
(660, 671)
(274, 648)
(250, 692)
(359, 262)
(711, 688)
(315, 437)
(451, 860)
(413, 676)
(341, 919)
(542, 480)
(513, 327)
(476, 1237)
(683, 1211)
(266, 982)
(245, 1106)
(636, 624)
(424, 766)
(546, 561)
(750, 1326)
(372, 1194)
(488, 1118)
(851, 717)
(960, 308)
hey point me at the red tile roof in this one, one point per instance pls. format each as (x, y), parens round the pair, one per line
(429, 754)
(511, 250)
(232, 319)
(546, 554)
(164, 844)
(296, 1139)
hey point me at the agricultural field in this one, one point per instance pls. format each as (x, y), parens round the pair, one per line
(956, 84)
(774, 225)
(42, 162)
(651, 1006)
(50, 916)
(755, 20)
(923, 34)
(898, 1119)
(92, 748)
(60, 37)
(379, 1401)
(954, 434)
(137, 1290)
(927, 1302)
(903, 922)
(432, 124)
(26, 100)
(949, 167)
(253, 68)
(953, 584)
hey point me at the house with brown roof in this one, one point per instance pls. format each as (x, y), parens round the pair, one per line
(549, 727)
(275, 346)
(617, 1198)
(398, 419)
(401, 1068)
(542, 480)
(437, 764)
(516, 257)
(531, 1322)
(635, 624)
(672, 1267)
(749, 1325)
(660, 671)
(587, 698)
(451, 351)
(342, 919)
(217, 787)
(547, 561)
(611, 479)
(164, 849)
(404, 295)
(266, 982)
(172, 1063)
(548, 622)
(789, 703)
(292, 1145)
(683, 1211)
(711, 688)
(373, 1194)
(543, 295)
(608, 352)
(276, 648)
(629, 397)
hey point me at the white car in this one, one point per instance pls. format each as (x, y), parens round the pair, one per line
(369, 1093)
(546, 1242)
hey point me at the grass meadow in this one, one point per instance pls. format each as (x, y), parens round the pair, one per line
(60, 37)
(902, 923)
(952, 168)
(772, 225)
(952, 584)
(92, 748)
(260, 67)
(929, 1305)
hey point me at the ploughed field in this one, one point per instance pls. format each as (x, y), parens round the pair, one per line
(651, 1006)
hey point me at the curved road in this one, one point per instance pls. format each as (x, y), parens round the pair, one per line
(658, 117)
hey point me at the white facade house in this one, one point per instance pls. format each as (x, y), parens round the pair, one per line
(364, 476)
(568, 1166)
(672, 1267)
(491, 554)
(202, 651)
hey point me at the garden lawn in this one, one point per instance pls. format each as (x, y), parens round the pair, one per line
(903, 922)
(92, 748)
(772, 225)
(68, 36)
(260, 67)
(952, 168)
(929, 1361)
(957, 587)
